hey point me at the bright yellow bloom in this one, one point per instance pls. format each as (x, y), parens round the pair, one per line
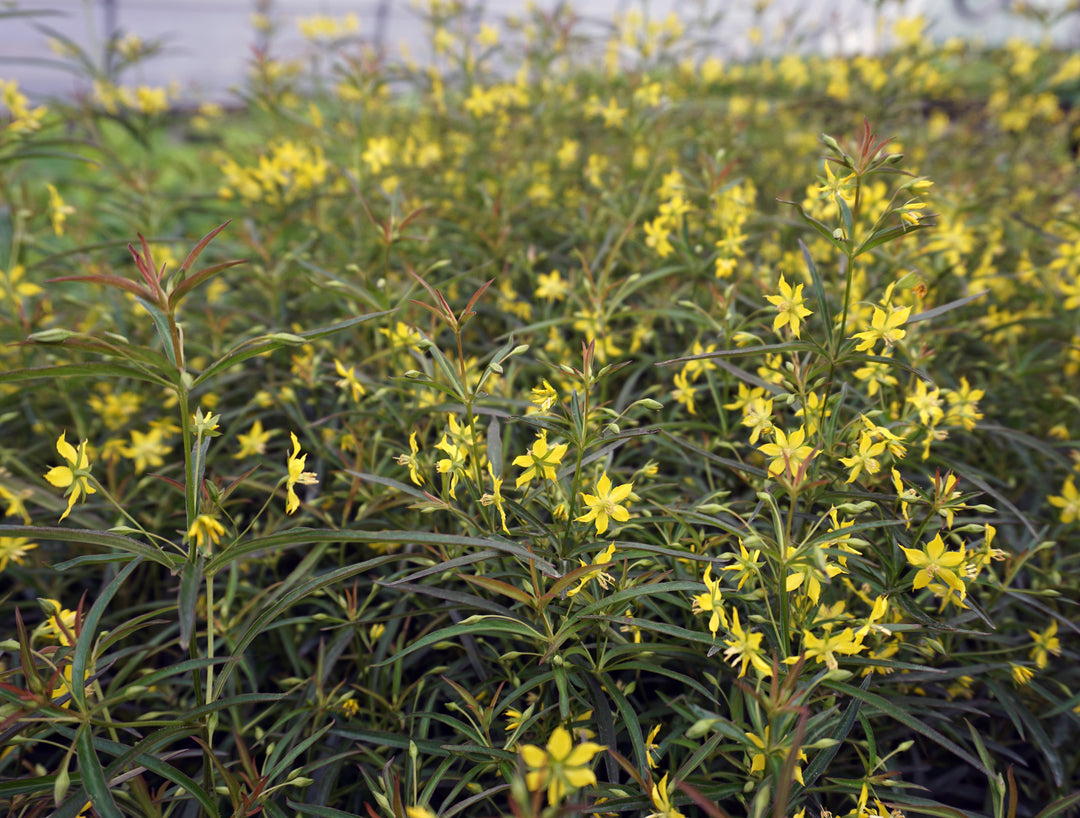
(540, 461)
(865, 458)
(561, 767)
(75, 476)
(825, 648)
(934, 563)
(454, 463)
(147, 450)
(495, 498)
(604, 505)
(964, 405)
(927, 404)
(1021, 675)
(684, 392)
(661, 798)
(58, 211)
(711, 601)
(14, 549)
(60, 624)
(1068, 501)
(788, 453)
(254, 442)
(552, 286)
(884, 326)
(604, 558)
(745, 647)
(652, 749)
(1046, 642)
(789, 306)
(379, 153)
(411, 461)
(207, 532)
(746, 564)
(296, 475)
(349, 381)
(544, 396)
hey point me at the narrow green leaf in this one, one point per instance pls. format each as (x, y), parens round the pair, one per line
(320, 812)
(279, 765)
(1060, 807)
(824, 230)
(93, 776)
(818, 287)
(268, 343)
(161, 324)
(824, 757)
(884, 236)
(497, 586)
(629, 721)
(91, 369)
(926, 315)
(85, 643)
(908, 720)
(102, 539)
(296, 537)
(478, 625)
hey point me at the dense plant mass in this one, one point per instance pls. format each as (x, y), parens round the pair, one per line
(572, 425)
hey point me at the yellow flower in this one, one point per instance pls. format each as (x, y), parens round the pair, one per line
(1068, 501)
(884, 326)
(652, 749)
(254, 442)
(866, 458)
(60, 624)
(789, 306)
(495, 498)
(788, 453)
(296, 475)
(1046, 642)
(14, 549)
(207, 532)
(544, 396)
(411, 461)
(540, 461)
(746, 564)
(934, 563)
(75, 476)
(1021, 675)
(825, 648)
(661, 798)
(349, 381)
(711, 601)
(605, 581)
(604, 505)
(561, 767)
(58, 211)
(552, 286)
(146, 449)
(684, 392)
(745, 647)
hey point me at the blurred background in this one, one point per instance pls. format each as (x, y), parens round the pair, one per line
(207, 44)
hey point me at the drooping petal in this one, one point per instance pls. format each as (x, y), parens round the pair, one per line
(66, 450)
(60, 476)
